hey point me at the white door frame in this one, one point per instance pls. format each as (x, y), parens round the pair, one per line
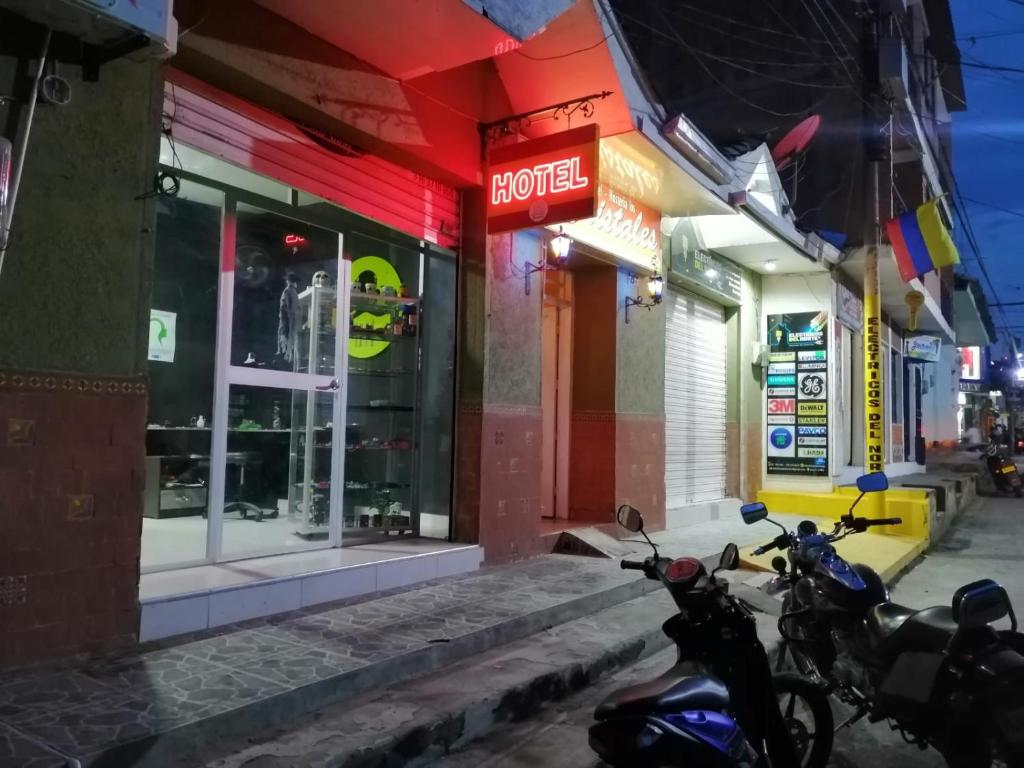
(227, 375)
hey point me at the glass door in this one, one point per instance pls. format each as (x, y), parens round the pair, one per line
(278, 423)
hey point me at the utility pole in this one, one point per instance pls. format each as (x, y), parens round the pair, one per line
(874, 154)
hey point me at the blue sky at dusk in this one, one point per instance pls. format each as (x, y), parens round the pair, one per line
(988, 149)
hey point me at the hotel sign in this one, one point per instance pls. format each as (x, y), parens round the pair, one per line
(544, 181)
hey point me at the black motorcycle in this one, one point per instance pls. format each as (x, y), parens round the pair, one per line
(719, 706)
(1003, 470)
(943, 676)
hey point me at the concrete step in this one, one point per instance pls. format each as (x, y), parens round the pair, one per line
(156, 703)
(418, 722)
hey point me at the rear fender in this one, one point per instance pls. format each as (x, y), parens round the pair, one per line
(651, 741)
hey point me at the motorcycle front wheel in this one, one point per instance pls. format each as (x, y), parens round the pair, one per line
(808, 716)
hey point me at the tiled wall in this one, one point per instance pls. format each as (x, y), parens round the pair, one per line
(71, 481)
(640, 465)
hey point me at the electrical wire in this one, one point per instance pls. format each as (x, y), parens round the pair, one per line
(675, 37)
(745, 25)
(750, 41)
(602, 41)
(995, 207)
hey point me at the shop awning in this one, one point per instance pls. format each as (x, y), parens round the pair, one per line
(893, 293)
(972, 321)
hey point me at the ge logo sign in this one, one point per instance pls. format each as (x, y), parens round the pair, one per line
(812, 386)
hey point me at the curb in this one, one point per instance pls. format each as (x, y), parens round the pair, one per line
(292, 708)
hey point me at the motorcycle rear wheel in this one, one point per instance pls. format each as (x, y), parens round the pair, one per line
(808, 715)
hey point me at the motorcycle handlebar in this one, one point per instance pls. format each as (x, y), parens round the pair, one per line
(886, 521)
(773, 544)
(632, 565)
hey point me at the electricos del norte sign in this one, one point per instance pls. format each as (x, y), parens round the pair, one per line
(543, 181)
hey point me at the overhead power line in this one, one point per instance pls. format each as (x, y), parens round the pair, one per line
(1009, 211)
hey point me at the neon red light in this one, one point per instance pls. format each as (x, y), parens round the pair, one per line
(543, 181)
(295, 241)
(546, 178)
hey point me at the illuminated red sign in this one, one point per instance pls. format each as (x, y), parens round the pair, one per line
(543, 181)
(295, 241)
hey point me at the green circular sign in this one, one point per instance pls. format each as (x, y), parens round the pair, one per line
(385, 276)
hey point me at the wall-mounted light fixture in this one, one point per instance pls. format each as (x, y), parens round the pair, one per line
(655, 289)
(559, 246)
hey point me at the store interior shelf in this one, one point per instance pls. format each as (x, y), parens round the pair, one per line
(383, 408)
(260, 430)
(380, 299)
(382, 374)
(367, 333)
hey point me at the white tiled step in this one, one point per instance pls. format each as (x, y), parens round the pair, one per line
(193, 599)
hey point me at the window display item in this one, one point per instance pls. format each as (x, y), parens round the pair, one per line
(321, 280)
(288, 320)
(201, 422)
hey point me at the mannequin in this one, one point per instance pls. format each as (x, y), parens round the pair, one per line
(288, 320)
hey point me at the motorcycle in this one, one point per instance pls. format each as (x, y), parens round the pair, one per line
(719, 706)
(1003, 470)
(942, 676)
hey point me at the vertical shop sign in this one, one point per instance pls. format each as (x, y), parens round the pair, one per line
(797, 401)
(874, 422)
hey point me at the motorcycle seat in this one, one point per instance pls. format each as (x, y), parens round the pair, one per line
(894, 628)
(677, 690)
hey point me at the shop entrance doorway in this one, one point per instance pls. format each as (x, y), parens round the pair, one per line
(556, 394)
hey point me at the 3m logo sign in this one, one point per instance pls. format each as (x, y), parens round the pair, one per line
(782, 405)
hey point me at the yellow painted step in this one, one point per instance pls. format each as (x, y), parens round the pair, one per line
(887, 554)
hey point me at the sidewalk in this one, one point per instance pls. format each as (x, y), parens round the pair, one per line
(158, 701)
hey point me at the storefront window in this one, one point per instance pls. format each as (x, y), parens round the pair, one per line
(283, 266)
(334, 342)
(381, 436)
(182, 351)
(277, 480)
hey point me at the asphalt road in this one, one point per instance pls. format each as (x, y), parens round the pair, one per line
(987, 541)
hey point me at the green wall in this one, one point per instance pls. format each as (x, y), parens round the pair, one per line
(74, 288)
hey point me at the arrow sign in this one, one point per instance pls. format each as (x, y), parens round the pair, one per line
(162, 336)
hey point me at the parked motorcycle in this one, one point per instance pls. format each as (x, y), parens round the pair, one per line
(943, 676)
(719, 706)
(1003, 470)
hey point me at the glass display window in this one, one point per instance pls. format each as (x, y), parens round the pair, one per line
(299, 345)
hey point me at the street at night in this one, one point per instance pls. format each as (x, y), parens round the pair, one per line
(498, 383)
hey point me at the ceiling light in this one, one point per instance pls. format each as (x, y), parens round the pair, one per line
(771, 266)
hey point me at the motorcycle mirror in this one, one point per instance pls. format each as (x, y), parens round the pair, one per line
(754, 512)
(779, 564)
(730, 559)
(873, 483)
(630, 519)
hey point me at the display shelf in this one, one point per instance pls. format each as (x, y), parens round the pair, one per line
(379, 299)
(381, 374)
(378, 449)
(233, 430)
(384, 408)
(382, 335)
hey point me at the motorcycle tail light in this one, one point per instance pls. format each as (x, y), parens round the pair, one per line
(684, 569)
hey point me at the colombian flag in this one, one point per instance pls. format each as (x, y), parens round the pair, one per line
(920, 241)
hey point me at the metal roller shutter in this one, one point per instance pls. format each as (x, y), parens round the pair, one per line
(695, 396)
(231, 129)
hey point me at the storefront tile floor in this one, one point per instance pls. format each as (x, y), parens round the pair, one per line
(195, 687)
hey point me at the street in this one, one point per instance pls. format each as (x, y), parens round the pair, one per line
(984, 542)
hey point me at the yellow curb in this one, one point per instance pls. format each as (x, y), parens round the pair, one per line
(888, 555)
